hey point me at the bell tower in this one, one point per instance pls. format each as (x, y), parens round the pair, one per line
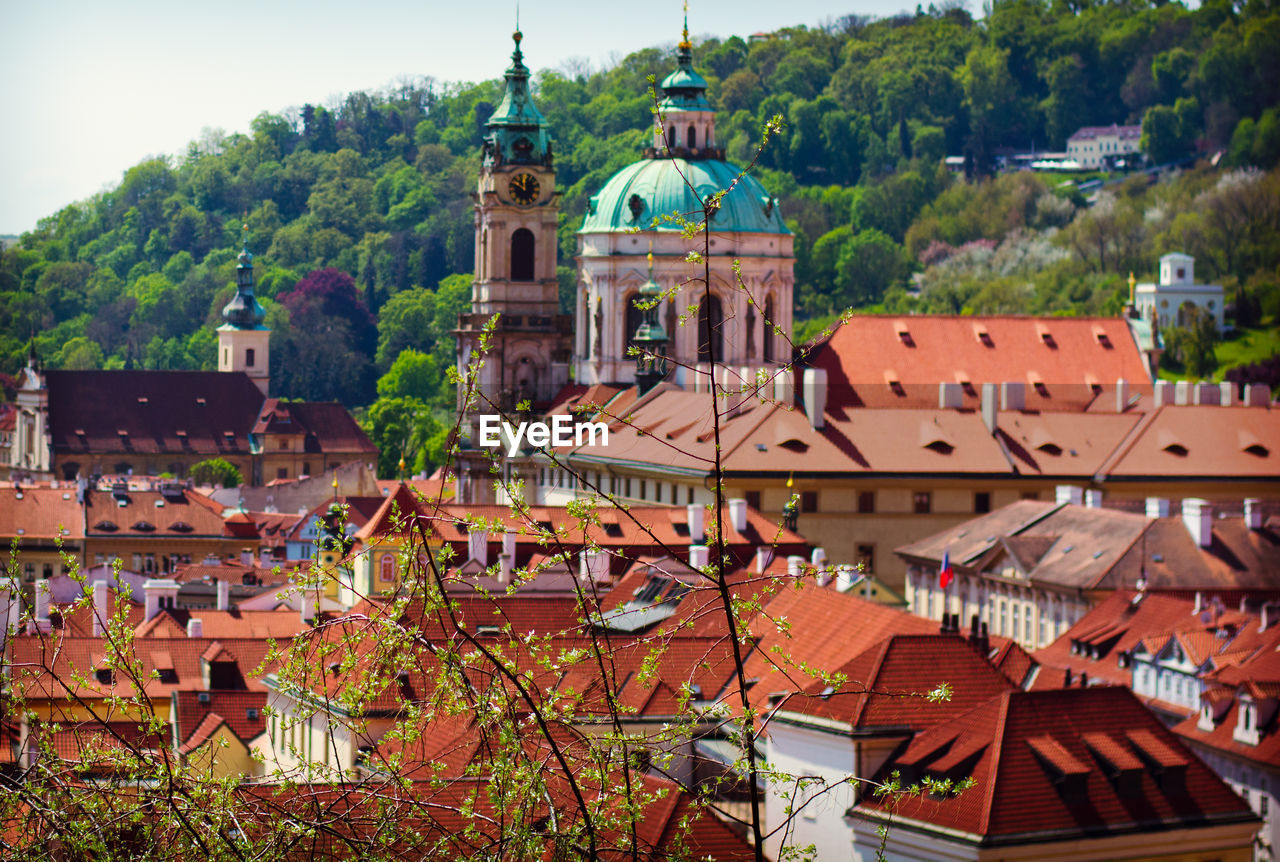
(528, 347)
(243, 342)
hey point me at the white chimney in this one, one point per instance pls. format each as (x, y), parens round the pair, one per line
(989, 408)
(310, 604)
(478, 546)
(815, 395)
(1071, 494)
(699, 556)
(738, 514)
(702, 377)
(1182, 392)
(1093, 499)
(1157, 507)
(1162, 393)
(696, 512)
(818, 559)
(159, 594)
(950, 395)
(823, 575)
(224, 595)
(844, 577)
(795, 565)
(101, 608)
(784, 387)
(1197, 516)
(264, 558)
(509, 546)
(246, 558)
(764, 556)
(504, 568)
(1257, 395)
(195, 627)
(1268, 616)
(1253, 513)
(41, 621)
(1013, 395)
(593, 565)
(1122, 395)
(1199, 606)
(10, 608)
(1208, 393)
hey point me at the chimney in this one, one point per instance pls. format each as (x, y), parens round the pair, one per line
(989, 409)
(1257, 395)
(1181, 396)
(1253, 513)
(738, 515)
(984, 640)
(1013, 395)
(478, 546)
(1093, 499)
(101, 608)
(1267, 611)
(504, 568)
(818, 558)
(224, 595)
(1084, 679)
(823, 575)
(246, 558)
(844, 577)
(1199, 606)
(41, 621)
(1157, 507)
(1072, 494)
(1162, 393)
(310, 605)
(264, 558)
(1122, 395)
(702, 377)
(696, 512)
(784, 387)
(1197, 516)
(195, 627)
(950, 395)
(795, 565)
(159, 595)
(1066, 678)
(764, 556)
(509, 547)
(1226, 394)
(1208, 393)
(10, 608)
(815, 396)
(699, 556)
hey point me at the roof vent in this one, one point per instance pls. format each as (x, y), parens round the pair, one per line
(903, 333)
(984, 337)
(1046, 336)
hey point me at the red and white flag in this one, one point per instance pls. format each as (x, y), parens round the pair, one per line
(945, 574)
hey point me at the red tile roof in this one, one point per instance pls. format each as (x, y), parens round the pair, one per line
(192, 718)
(1199, 441)
(921, 350)
(326, 425)
(1038, 779)
(40, 513)
(234, 623)
(185, 514)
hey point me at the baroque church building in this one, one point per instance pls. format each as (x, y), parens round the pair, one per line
(80, 424)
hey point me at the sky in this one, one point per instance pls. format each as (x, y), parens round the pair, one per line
(90, 89)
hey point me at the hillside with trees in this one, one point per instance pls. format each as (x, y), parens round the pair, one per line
(361, 219)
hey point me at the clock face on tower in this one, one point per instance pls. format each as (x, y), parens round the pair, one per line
(524, 189)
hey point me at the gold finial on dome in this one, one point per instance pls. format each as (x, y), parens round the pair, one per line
(685, 44)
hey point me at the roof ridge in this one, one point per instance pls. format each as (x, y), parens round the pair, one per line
(868, 684)
(1122, 449)
(997, 747)
(772, 407)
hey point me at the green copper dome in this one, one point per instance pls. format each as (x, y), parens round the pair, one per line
(517, 130)
(652, 188)
(244, 311)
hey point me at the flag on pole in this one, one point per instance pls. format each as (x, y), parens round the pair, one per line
(945, 574)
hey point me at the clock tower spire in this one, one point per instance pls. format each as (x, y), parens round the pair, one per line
(526, 361)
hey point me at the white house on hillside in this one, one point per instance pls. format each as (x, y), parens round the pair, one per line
(1166, 303)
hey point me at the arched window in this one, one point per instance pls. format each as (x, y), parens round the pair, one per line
(387, 568)
(691, 137)
(710, 331)
(671, 136)
(768, 325)
(522, 243)
(248, 358)
(632, 318)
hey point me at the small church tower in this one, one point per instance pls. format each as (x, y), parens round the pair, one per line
(243, 341)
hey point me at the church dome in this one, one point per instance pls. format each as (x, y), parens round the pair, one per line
(651, 188)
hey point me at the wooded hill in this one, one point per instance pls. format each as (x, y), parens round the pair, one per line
(376, 189)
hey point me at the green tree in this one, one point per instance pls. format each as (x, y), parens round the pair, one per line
(216, 471)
